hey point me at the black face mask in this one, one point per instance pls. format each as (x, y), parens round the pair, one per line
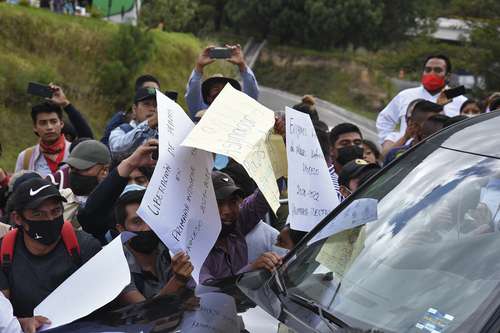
(45, 232)
(349, 153)
(227, 229)
(145, 241)
(82, 185)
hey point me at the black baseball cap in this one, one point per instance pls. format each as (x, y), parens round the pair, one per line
(32, 192)
(142, 94)
(224, 185)
(354, 169)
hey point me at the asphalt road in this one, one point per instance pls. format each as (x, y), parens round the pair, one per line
(330, 113)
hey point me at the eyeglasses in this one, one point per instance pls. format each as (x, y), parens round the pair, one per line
(437, 70)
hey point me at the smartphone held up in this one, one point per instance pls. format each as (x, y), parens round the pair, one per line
(40, 90)
(220, 53)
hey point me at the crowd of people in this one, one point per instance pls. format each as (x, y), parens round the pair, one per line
(71, 194)
(68, 7)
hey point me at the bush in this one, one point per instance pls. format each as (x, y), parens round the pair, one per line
(128, 51)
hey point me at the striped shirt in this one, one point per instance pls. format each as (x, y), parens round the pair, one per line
(335, 180)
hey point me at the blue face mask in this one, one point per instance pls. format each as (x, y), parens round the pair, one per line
(221, 161)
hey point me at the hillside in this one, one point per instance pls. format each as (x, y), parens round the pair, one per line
(343, 78)
(88, 58)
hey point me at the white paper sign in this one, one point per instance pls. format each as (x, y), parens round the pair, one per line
(99, 281)
(236, 125)
(217, 313)
(311, 195)
(359, 212)
(179, 203)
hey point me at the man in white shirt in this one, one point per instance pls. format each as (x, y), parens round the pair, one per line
(436, 71)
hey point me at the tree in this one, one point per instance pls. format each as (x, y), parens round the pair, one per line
(175, 15)
(485, 61)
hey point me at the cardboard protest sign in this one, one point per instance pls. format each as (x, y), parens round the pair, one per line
(179, 204)
(311, 195)
(277, 153)
(340, 250)
(76, 297)
(236, 125)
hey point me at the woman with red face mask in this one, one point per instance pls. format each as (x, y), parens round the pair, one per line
(435, 74)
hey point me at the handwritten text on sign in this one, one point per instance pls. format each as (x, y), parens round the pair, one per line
(236, 125)
(179, 204)
(311, 195)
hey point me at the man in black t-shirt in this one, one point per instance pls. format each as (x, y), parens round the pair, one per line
(40, 259)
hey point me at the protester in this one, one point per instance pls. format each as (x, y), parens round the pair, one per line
(354, 174)
(15, 180)
(435, 74)
(308, 106)
(199, 96)
(52, 148)
(436, 123)
(96, 216)
(418, 112)
(239, 216)
(140, 176)
(88, 164)
(470, 108)
(371, 154)
(43, 235)
(289, 237)
(122, 117)
(154, 272)
(493, 102)
(127, 137)
(346, 143)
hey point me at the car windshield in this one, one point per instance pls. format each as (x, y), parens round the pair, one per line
(427, 263)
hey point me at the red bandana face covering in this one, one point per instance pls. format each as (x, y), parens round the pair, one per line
(432, 82)
(57, 148)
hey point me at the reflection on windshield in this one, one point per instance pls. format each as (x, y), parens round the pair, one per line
(429, 260)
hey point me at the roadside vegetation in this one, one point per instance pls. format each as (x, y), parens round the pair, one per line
(94, 61)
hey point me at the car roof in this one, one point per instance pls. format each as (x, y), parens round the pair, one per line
(479, 135)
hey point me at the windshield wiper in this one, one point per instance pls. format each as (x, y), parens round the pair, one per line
(317, 308)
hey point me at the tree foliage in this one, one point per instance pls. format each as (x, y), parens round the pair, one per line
(127, 53)
(175, 15)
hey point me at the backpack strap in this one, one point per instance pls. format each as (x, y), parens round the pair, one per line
(126, 127)
(27, 157)
(68, 236)
(7, 250)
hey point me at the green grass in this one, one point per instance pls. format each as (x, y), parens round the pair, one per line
(37, 45)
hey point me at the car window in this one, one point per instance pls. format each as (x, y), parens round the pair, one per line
(429, 259)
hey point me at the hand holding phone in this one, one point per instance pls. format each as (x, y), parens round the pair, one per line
(454, 92)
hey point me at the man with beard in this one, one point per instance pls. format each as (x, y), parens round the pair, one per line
(239, 216)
